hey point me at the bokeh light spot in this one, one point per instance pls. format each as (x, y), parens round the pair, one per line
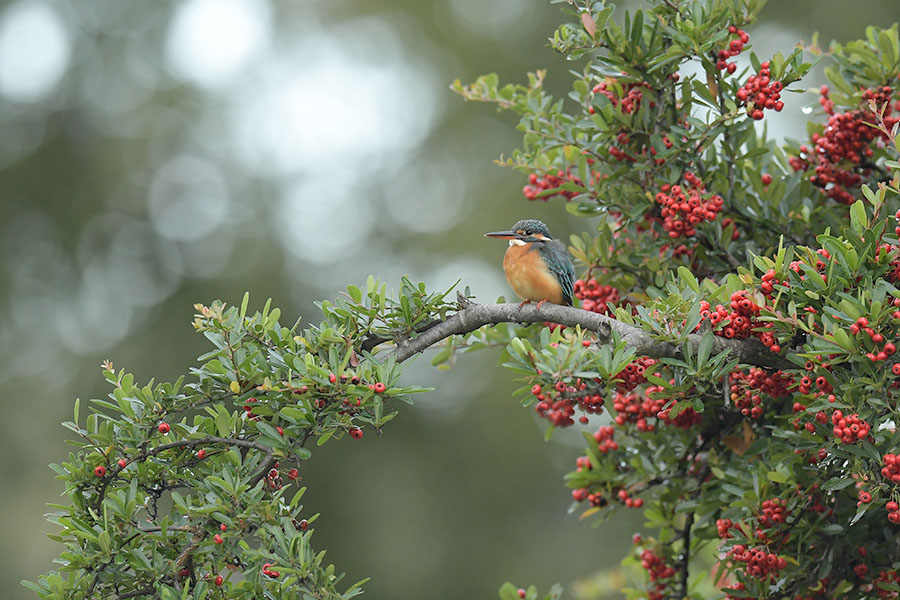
(314, 220)
(211, 41)
(319, 109)
(34, 51)
(188, 198)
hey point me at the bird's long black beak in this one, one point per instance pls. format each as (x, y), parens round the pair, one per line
(506, 235)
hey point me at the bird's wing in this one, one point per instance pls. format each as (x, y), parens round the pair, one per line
(563, 269)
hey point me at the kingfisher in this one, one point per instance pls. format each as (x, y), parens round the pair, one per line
(537, 266)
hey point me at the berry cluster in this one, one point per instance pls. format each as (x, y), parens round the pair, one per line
(746, 389)
(842, 153)
(738, 320)
(583, 463)
(683, 207)
(864, 497)
(273, 478)
(760, 93)
(724, 527)
(686, 419)
(849, 429)
(891, 468)
(820, 454)
(888, 348)
(540, 183)
(604, 438)
(739, 587)
(595, 297)
(887, 251)
(635, 407)
(269, 572)
(890, 579)
(622, 140)
(596, 499)
(557, 403)
(627, 500)
(633, 373)
(772, 512)
(631, 95)
(768, 283)
(759, 563)
(658, 571)
(735, 46)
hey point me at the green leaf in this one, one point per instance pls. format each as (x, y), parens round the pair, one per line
(704, 349)
(294, 414)
(34, 587)
(509, 592)
(272, 434)
(355, 293)
(838, 483)
(776, 477)
(244, 303)
(223, 423)
(687, 277)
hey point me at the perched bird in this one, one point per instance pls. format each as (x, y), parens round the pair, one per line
(537, 266)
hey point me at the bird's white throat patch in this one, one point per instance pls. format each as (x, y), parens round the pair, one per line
(516, 243)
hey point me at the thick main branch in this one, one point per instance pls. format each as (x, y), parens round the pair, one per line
(472, 316)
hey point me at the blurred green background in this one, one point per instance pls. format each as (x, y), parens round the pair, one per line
(157, 154)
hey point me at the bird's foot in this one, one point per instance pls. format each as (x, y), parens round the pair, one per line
(524, 302)
(539, 305)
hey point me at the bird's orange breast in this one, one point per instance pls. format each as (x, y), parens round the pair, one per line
(529, 276)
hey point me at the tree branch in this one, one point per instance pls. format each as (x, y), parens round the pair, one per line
(686, 554)
(472, 316)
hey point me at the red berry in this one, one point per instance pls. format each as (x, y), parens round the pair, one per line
(100, 471)
(332, 378)
(164, 428)
(280, 431)
(223, 526)
(766, 179)
(123, 463)
(356, 433)
(218, 539)
(304, 524)
(521, 592)
(379, 388)
(219, 580)
(201, 454)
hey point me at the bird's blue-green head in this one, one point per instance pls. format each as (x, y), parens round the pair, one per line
(526, 230)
